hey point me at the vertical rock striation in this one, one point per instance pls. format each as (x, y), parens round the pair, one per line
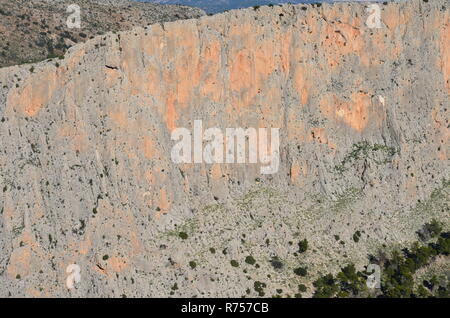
(87, 178)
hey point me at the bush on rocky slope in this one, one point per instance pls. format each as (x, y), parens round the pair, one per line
(36, 30)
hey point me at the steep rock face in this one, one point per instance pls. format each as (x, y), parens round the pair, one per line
(87, 177)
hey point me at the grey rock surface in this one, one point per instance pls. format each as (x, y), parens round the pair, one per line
(86, 174)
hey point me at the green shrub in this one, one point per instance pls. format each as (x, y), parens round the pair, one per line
(303, 246)
(301, 271)
(356, 236)
(250, 260)
(302, 288)
(326, 287)
(430, 230)
(259, 288)
(398, 273)
(234, 263)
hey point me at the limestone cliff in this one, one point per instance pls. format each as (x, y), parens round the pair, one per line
(87, 177)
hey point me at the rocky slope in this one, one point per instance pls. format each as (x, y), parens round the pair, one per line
(33, 30)
(222, 5)
(87, 178)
